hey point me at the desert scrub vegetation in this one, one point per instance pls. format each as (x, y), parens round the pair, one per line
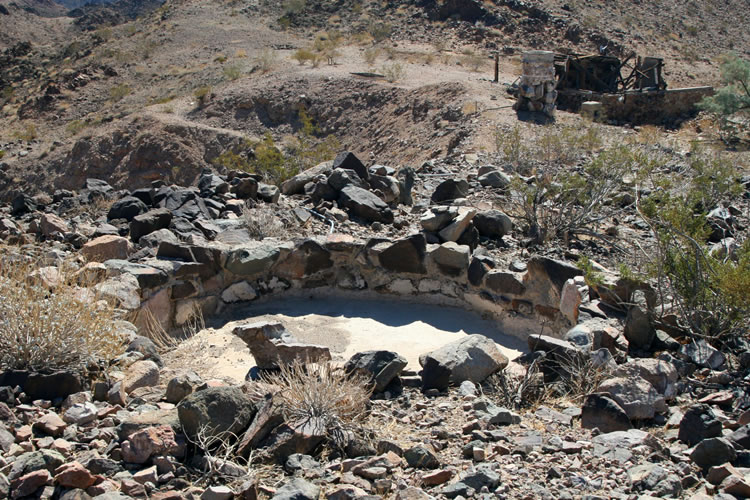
(302, 151)
(703, 283)
(119, 92)
(202, 94)
(262, 222)
(265, 60)
(47, 321)
(393, 72)
(28, 132)
(323, 396)
(733, 98)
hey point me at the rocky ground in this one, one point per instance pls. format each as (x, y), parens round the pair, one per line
(117, 119)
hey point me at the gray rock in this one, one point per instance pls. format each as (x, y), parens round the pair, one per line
(300, 462)
(502, 283)
(473, 358)
(341, 178)
(581, 337)
(635, 395)
(661, 374)
(713, 451)
(180, 387)
(80, 414)
(33, 461)
(452, 257)
(297, 489)
(495, 179)
(271, 345)
(703, 354)
(296, 184)
(268, 193)
(217, 493)
(698, 423)
(437, 218)
(421, 457)
(602, 412)
(638, 328)
(482, 476)
(365, 205)
(143, 373)
(4, 486)
(252, 260)
(382, 366)
(741, 437)
(216, 410)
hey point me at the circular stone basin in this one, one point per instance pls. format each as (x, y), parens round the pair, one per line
(346, 326)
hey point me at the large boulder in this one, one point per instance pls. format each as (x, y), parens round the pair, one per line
(296, 184)
(405, 255)
(272, 345)
(698, 423)
(713, 451)
(635, 395)
(449, 190)
(349, 161)
(51, 224)
(126, 208)
(638, 328)
(365, 205)
(216, 410)
(251, 260)
(381, 366)
(703, 354)
(493, 223)
(147, 223)
(661, 374)
(104, 248)
(473, 358)
(602, 412)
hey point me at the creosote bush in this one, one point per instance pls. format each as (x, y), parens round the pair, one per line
(47, 322)
(321, 395)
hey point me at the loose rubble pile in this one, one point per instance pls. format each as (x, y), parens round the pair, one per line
(670, 418)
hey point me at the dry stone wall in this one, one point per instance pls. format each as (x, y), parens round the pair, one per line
(211, 276)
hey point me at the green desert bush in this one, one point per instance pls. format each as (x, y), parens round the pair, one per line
(47, 322)
(118, 92)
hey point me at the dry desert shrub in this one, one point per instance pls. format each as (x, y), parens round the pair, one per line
(322, 395)
(48, 322)
(261, 222)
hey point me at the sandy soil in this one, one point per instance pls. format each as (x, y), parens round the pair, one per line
(346, 326)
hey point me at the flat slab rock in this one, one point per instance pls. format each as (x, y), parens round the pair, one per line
(272, 345)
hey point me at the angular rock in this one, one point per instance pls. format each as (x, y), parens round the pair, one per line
(661, 374)
(454, 230)
(104, 248)
(140, 374)
(157, 440)
(81, 414)
(272, 345)
(452, 257)
(449, 190)
(297, 489)
(147, 223)
(365, 205)
(51, 224)
(545, 278)
(703, 354)
(713, 451)
(252, 260)
(296, 184)
(473, 358)
(382, 366)
(180, 387)
(26, 485)
(348, 161)
(492, 223)
(504, 283)
(421, 457)
(638, 328)
(51, 424)
(405, 255)
(602, 412)
(698, 423)
(216, 410)
(74, 475)
(239, 292)
(635, 395)
(126, 208)
(495, 179)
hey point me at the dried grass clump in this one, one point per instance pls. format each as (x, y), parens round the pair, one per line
(322, 395)
(48, 324)
(262, 222)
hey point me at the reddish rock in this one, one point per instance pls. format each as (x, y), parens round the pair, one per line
(133, 488)
(51, 224)
(141, 445)
(23, 433)
(146, 475)
(51, 424)
(28, 484)
(437, 477)
(140, 374)
(107, 247)
(74, 475)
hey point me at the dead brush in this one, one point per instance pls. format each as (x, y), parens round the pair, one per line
(322, 395)
(579, 375)
(515, 391)
(48, 324)
(151, 328)
(262, 222)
